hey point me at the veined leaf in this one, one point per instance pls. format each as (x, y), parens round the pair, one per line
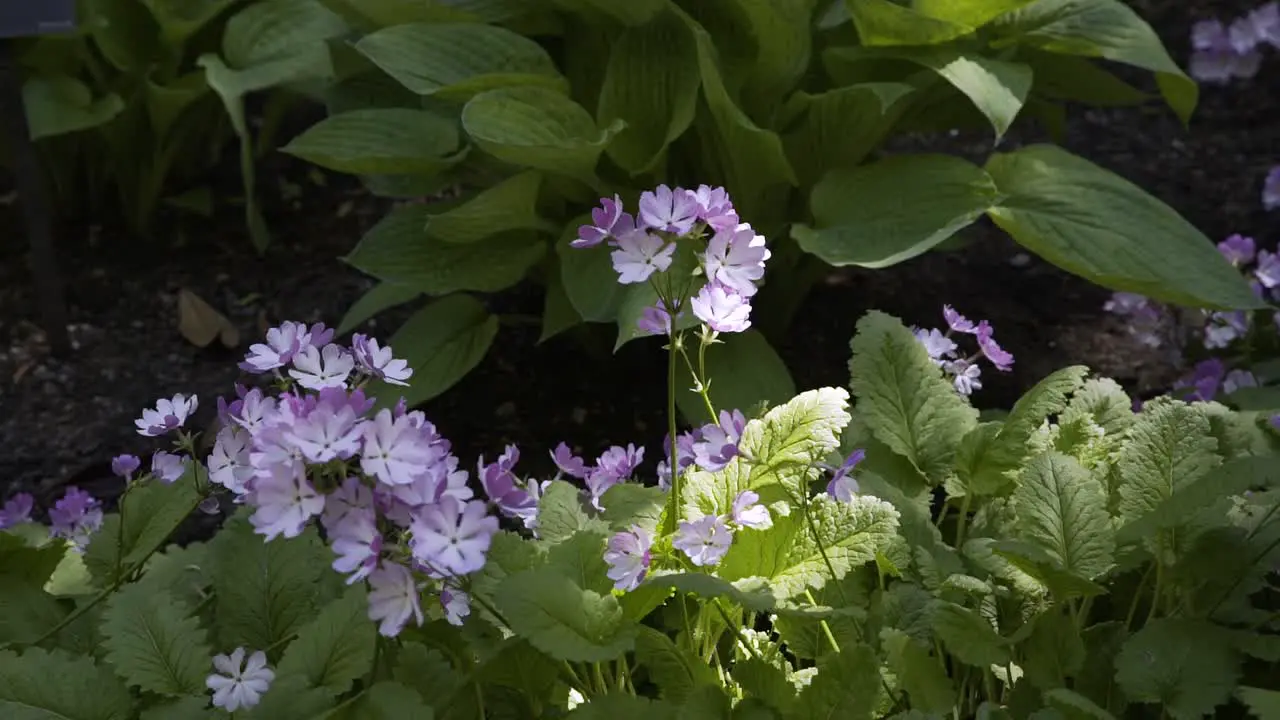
(968, 636)
(882, 22)
(1104, 400)
(154, 642)
(847, 686)
(336, 647)
(840, 127)
(385, 700)
(637, 12)
(920, 674)
(40, 685)
(510, 205)
(1054, 651)
(59, 105)
(903, 397)
(1063, 509)
(561, 513)
(442, 342)
(1187, 666)
(268, 31)
(383, 296)
(675, 671)
(26, 611)
(563, 620)
(380, 141)
(152, 513)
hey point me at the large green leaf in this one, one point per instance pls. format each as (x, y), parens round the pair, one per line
(1187, 666)
(883, 22)
(744, 370)
(442, 343)
(40, 685)
(649, 85)
(275, 29)
(385, 700)
(380, 297)
(154, 642)
(974, 13)
(563, 620)
(635, 12)
(510, 205)
(675, 670)
(783, 35)
(459, 60)
(1099, 226)
(26, 611)
(589, 279)
(1099, 28)
(400, 250)
(152, 513)
(847, 686)
(886, 224)
(539, 128)
(380, 140)
(125, 33)
(839, 127)
(336, 647)
(59, 104)
(998, 88)
(180, 19)
(1063, 509)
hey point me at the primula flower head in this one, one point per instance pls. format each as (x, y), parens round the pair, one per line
(1238, 249)
(607, 221)
(456, 605)
(453, 537)
(378, 362)
(843, 486)
(16, 510)
(393, 599)
(125, 465)
(1002, 360)
(1222, 52)
(673, 211)
(168, 415)
(167, 467)
(716, 444)
(640, 255)
(722, 309)
(627, 556)
(76, 516)
(705, 540)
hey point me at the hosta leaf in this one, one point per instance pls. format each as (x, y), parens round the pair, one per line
(839, 127)
(1187, 666)
(675, 671)
(155, 643)
(563, 620)
(459, 60)
(1063, 509)
(59, 105)
(509, 205)
(847, 686)
(265, 591)
(380, 141)
(903, 397)
(380, 297)
(882, 22)
(442, 342)
(336, 647)
(40, 685)
(792, 559)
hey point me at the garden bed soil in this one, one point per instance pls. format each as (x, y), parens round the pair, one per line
(62, 419)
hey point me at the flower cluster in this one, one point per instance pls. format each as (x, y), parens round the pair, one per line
(965, 372)
(732, 260)
(1209, 377)
(709, 447)
(615, 465)
(1222, 52)
(74, 517)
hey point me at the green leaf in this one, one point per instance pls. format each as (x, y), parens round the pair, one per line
(290, 698)
(920, 674)
(59, 104)
(792, 559)
(399, 249)
(753, 594)
(1099, 28)
(561, 513)
(974, 13)
(264, 591)
(180, 19)
(40, 685)
(889, 226)
(456, 61)
(1264, 704)
(510, 205)
(882, 22)
(629, 504)
(267, 31)
(744, 370)
(675, 671)
(155, 643)
(903, 397)
(124, 32)
(383, 296)
(70, 578)
(638, 12)
(32, 558)
(442, 342)
(621, 706)
(563, 620)
(588, 276)
(648, 85)
(336, 647)
(765, 683)
(997, 88)
(1169, 447)
(847, 686)
(1104, 400)
(1078, 80)
(967, 635)
(840, 127)
(1063, 509)
(187, 708)
(427, 671)
(1097, 225)
(1053, 652)
(520, 666)
(1073, 703)
(385, 700)
(152, 513)
(558, 314)
(1029, 560)
(1187, 666)
(580, 557)
(380, 140)
(26, 611)
(539, 128)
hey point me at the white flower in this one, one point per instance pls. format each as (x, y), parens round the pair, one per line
(938, 346)
(704, 540)
(229, 462)
(326, 433)
(451, 536)
(967, 376)
(393, 599)
(357, 543)
(735, 258)
(318, 369)
(239, 688)
(627, 556)
(167, 415)
(749, 513)
(639, 255)
(456, 604)
(395, 451)
(286, 501)
(379, 362)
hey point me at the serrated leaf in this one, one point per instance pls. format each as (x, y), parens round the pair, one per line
(1264, 704)
(187, 708)
(1053, 652)
(1074, 704)
(70, 578)
(745, 370)
(792, 559)
(336, 647)
(373, 141)
(767, 684)
(385, 700)
(1169, 447)
(152, 513)
(630, 504)
(580, 557)
(1062, 509)
(264, 591)
(40, 685)
(967, 635)
(1104, 400)
(1190, 499)
(676, 671)
(154, 643)
(26, 611)
(564, 620)
(561, 513)
(847, 686)
(30, 557)
(1186, 665)
(920, 674)
(1031, 563)
(753, 594)
(903, 397)
(290, 698)
(427, 671)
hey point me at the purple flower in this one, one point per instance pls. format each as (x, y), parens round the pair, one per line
(230, 464)
(714, 207)
(684, 456)
(705, 540)
(168, 415)
(17, 510)
(640, 255)
(285, 501)
(453, 537)
(627, 556)
(1268, 270)
(966, 376)
(655, 320)
(1223, 328)
(76, 516)
(317, 369)
(722, 309)
(503, 487)
(938, 346)
(1237, 379)
(843, 486)
(747, 512)
(669, 210)
(716, 444)
(987, 343)
(357, 543)
(282, 344)
(1271, 189)
(1221, 54)
(607, 220)
(1266, 23)
(612, 467)
(378, 361)
(1145, 316)
(956, 321)
(1238, 249)
(395, 451)
(393, 598)
(167, 467)
(125, 465)
(456, 605)
(1204, 380)
(735, 258)
(568, 463)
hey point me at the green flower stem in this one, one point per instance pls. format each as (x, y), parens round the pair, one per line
(1137, 595)
(698, 378)
(1156, 591)
(673, 504)
(602, 687)
(963, 520)
(735, 628)
(826, 628)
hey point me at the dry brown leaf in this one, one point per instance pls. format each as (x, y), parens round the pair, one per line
(200, 323)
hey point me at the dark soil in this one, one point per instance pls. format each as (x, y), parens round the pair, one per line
(62, 419)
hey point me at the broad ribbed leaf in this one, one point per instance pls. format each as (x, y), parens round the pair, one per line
(675, 671)
(848, 686)
(40, 685)
(510, 205)
(336, 647)
(1061, 508)
(380, 140)
(563, 620)
(154, 642)
(442, 343)
(1186, 666)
